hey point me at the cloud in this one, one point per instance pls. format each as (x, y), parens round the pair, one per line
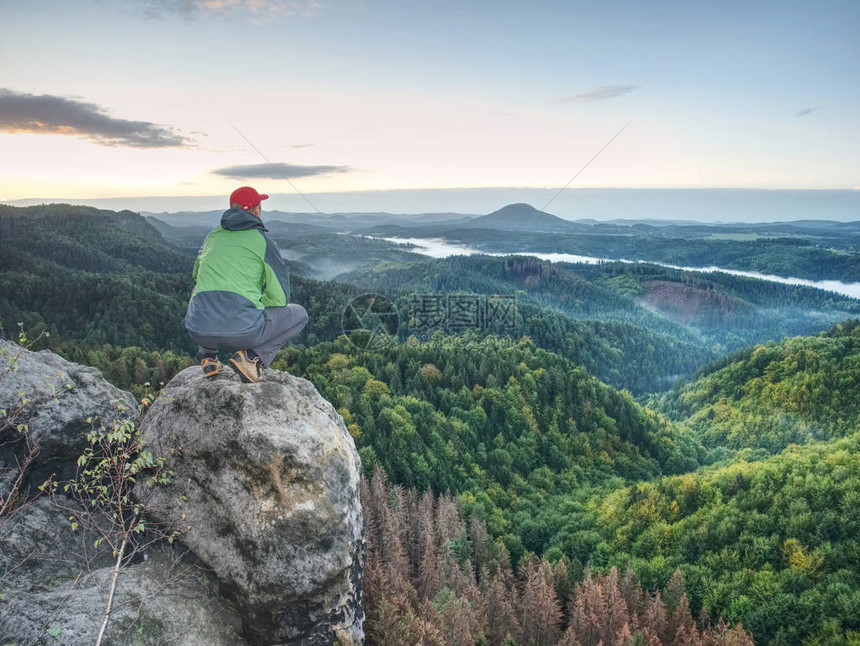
(57, 115)
(804, 112)
(260, 11)
(277, 171)
(598, 94)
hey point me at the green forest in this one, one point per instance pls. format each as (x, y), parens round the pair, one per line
(776, 394)
(645, 456)
(768, 541)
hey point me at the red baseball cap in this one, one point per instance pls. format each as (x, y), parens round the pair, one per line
(247, 197)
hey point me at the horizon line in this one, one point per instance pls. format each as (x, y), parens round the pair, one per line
(853, 189)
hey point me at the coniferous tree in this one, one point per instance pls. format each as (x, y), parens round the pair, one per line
(618, 618)
(681, 625)
(502, 616)
(588, 611)
(541, 614)
(654, 624)
(631, 590)
(570, 638)
(673, 591)
(430, 567)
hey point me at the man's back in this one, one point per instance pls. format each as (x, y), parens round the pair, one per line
(242, 292)
(232, 261)
(236, 278)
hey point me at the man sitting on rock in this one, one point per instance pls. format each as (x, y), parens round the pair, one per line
(242, 293)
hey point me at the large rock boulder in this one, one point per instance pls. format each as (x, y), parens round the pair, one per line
(59, 401)
(53, 582)
(270, 480)
(269, 477)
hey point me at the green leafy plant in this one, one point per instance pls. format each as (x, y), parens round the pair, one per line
(110, 502)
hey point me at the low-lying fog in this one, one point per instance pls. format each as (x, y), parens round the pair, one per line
(439, 248)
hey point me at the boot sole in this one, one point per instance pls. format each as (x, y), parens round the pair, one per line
(212, 369)
(239, 370)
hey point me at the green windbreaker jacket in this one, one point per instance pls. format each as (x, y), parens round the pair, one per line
(238, 273)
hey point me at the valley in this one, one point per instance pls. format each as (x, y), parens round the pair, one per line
(631, 415)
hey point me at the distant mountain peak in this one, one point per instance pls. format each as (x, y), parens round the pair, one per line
(516, 216)
(518, 207)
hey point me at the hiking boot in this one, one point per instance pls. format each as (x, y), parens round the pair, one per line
(211, 366)
(250, 371)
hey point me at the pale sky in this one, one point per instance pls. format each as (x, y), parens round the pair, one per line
(108, 98)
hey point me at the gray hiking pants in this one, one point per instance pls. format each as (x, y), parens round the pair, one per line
(280, 324)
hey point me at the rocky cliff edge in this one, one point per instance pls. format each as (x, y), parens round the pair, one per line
(265, 492)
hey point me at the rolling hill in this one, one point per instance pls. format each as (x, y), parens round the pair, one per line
(769, 396)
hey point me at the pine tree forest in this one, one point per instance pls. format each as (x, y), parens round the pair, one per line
(435, 577)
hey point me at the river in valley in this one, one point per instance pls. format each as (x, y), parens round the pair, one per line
(439, 248)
